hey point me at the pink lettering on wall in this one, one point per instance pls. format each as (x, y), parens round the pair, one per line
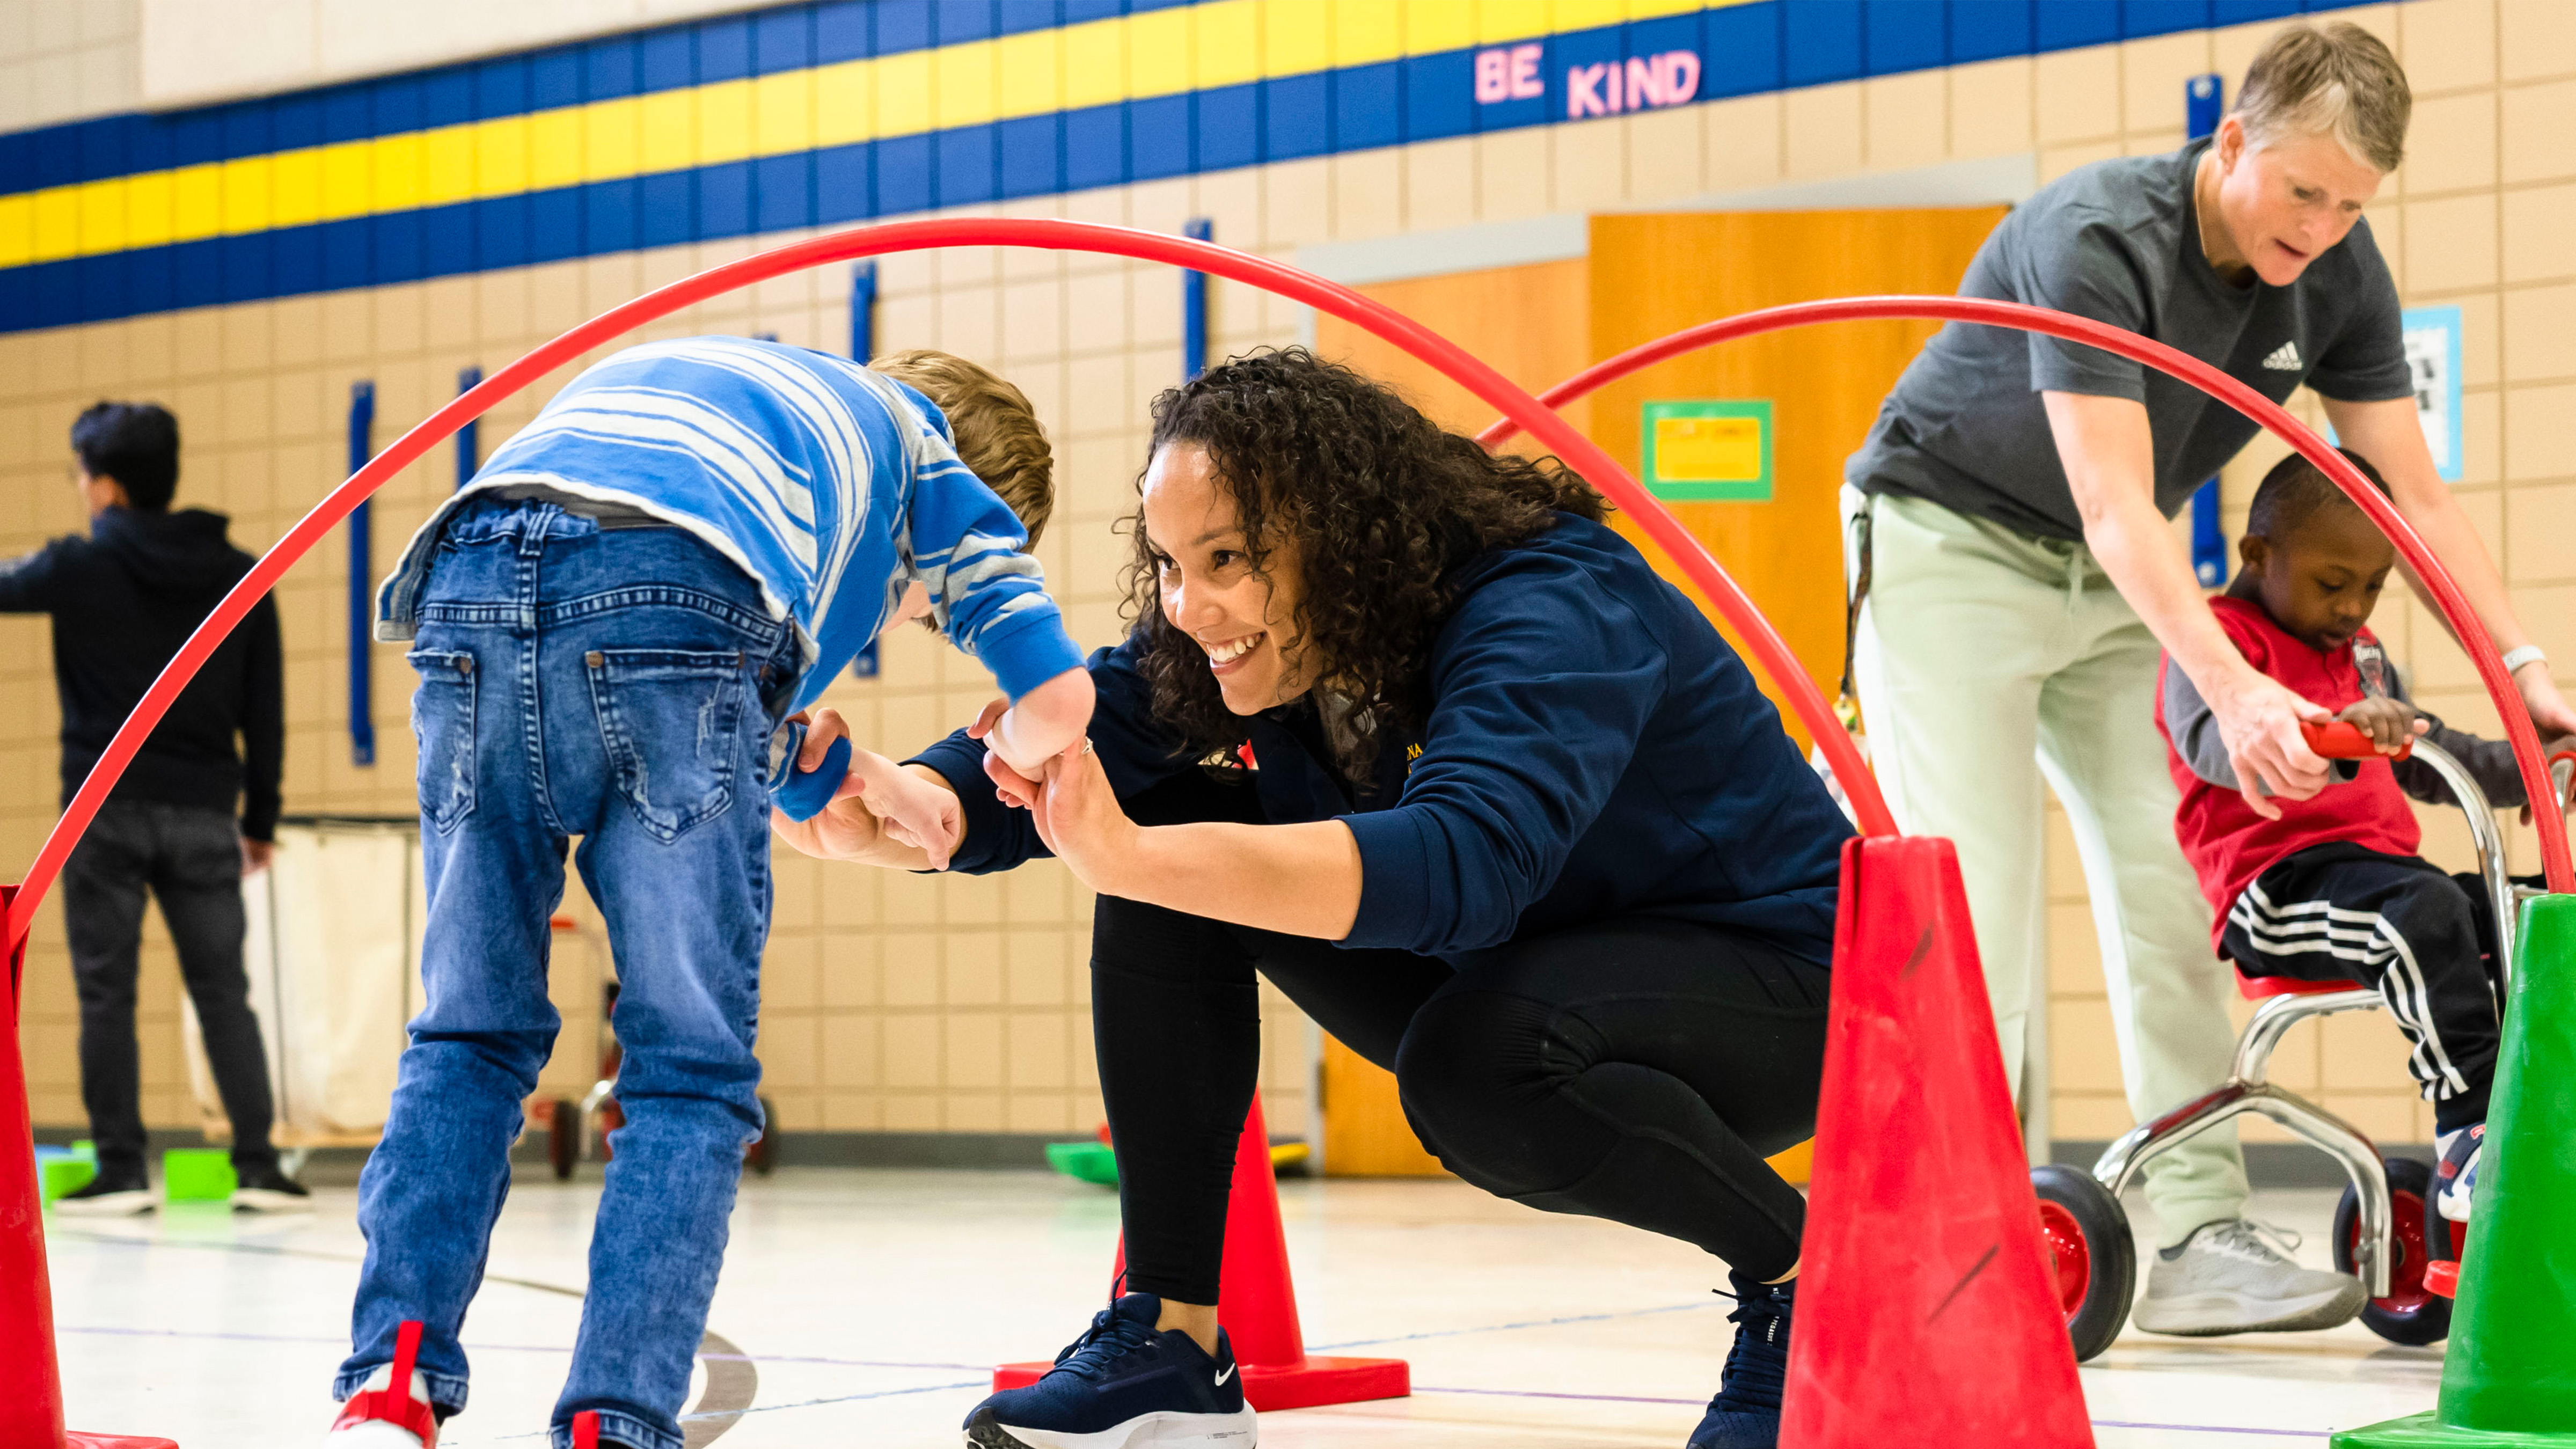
(1643, 83)
(1509, 73)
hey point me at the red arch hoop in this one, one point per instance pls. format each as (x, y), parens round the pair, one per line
(1579, 452)
(2454, 604)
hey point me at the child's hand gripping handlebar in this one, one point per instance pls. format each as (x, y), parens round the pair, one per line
(2341, 740)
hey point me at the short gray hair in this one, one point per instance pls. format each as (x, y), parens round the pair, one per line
(2336, 79)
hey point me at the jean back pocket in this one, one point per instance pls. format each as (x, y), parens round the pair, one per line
(442, 719)
(671, 722)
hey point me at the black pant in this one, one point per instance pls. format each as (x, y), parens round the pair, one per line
(1637, 1069)
(2423, 939)
(191, 860)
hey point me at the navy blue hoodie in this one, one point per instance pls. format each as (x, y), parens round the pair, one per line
(1593, 749)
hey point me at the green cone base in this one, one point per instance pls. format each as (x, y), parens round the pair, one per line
(2422, 1431)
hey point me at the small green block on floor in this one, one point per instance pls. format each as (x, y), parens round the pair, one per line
(197, 1174)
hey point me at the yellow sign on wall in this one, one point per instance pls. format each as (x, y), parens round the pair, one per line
(1708, 450)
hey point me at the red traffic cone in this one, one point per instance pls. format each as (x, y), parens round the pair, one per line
(31, 1388)
(1257, 1304)
(1923, 1298)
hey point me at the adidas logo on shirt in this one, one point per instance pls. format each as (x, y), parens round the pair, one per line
(2284, 358)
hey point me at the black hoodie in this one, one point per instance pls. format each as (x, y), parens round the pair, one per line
(123, 600)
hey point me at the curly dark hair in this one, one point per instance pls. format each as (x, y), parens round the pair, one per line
(1379, 505)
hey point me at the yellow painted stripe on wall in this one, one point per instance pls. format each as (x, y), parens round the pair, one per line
(1101, 62)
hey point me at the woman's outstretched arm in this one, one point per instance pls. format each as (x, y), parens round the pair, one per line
(1301, 880)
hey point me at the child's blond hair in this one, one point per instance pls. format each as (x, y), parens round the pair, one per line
(997, 432)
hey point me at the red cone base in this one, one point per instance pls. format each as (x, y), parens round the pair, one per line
(1257, 1304)
(1923, 1299)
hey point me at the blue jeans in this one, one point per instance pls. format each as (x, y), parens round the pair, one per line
(620, 686)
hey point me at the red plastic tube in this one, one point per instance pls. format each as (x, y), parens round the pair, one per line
(1579, 453)
(2554, 859)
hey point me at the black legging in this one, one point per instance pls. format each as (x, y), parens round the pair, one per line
(1637, 1069)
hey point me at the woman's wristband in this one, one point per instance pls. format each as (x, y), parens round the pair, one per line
(2515, 659)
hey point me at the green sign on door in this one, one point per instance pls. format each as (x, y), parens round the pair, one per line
(1709, 450)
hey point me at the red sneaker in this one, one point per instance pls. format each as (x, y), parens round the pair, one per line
(377, 1417)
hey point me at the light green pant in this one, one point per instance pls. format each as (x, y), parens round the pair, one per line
(1982, 653)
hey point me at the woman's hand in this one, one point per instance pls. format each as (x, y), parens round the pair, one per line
(2550, 714)
(1078, 816)
(2259, 719)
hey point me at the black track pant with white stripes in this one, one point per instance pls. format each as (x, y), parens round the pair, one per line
(2397, 923)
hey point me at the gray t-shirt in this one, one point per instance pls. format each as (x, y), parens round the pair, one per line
(2118, 241)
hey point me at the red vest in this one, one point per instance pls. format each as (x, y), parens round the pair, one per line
(2227, 844)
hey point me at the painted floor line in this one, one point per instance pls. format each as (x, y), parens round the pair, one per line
(221, 1336)
(1643, 1399)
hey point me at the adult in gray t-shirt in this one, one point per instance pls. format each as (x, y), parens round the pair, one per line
(2116, 242)
(2012, 507)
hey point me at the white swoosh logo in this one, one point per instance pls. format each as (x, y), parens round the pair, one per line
(1229, 1373)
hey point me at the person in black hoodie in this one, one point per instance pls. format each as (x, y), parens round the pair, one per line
(122, 601)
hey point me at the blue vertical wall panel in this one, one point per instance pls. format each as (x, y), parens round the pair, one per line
(1822, 41)
(724, 49)
(1742, 54)
(294, 260)
(2142, 18)
(347, 259)
(608, 68)
(1580, 51)
(1664, 35)
(1229, 127)
(666, 209)
(968, 171)
(609, 215)
(782, 40)
(446, 97)
(1095, 147)
(501, 231)
(783, 191)
(1078, 11)
(54, 154)
(902, 25)
(1019, 16)
(1904, 37)
(97, 150)
(246, 130)
(395, 249)
(17, 297)
(247, 273)
(903, 175)
(295, 121)
(1032, 152)
(554, 224)
(665, 60)
(151, 281)
(348, 114)
(501, 88)
(18, 161)
(554, 78)
(447, 236)
(2238, 12)
(1158, 137)
(844, 184)
(1439, 95)
(954, 22)
(724, 200)
(55, 294)
(1368, 106)
(101, 286)
(841, 32)
(2065, 24)
(1988, 30)
(1547, 105)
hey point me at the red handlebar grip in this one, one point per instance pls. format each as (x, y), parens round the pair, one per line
(2339, 740)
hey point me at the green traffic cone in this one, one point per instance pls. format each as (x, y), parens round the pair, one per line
(2509, 1378)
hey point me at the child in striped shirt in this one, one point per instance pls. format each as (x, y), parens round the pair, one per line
(617, 624)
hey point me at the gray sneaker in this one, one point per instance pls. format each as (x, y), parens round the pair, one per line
(2234, 1276)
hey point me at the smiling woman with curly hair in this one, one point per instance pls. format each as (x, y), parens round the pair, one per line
(1406, 728)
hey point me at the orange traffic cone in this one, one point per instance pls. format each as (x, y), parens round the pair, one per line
(1922, 1299)
(1257, 1304)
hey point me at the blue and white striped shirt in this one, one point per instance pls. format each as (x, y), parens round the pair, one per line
(832, 485)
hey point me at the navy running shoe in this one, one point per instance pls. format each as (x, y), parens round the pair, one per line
(1123, 1384)
(1746, 1412)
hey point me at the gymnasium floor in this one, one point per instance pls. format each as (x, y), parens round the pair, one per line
(866, 1306)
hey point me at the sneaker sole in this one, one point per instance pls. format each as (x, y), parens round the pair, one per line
(2212, 1315)
(1161, 1430)
(114, 1205)
(267, 1200)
